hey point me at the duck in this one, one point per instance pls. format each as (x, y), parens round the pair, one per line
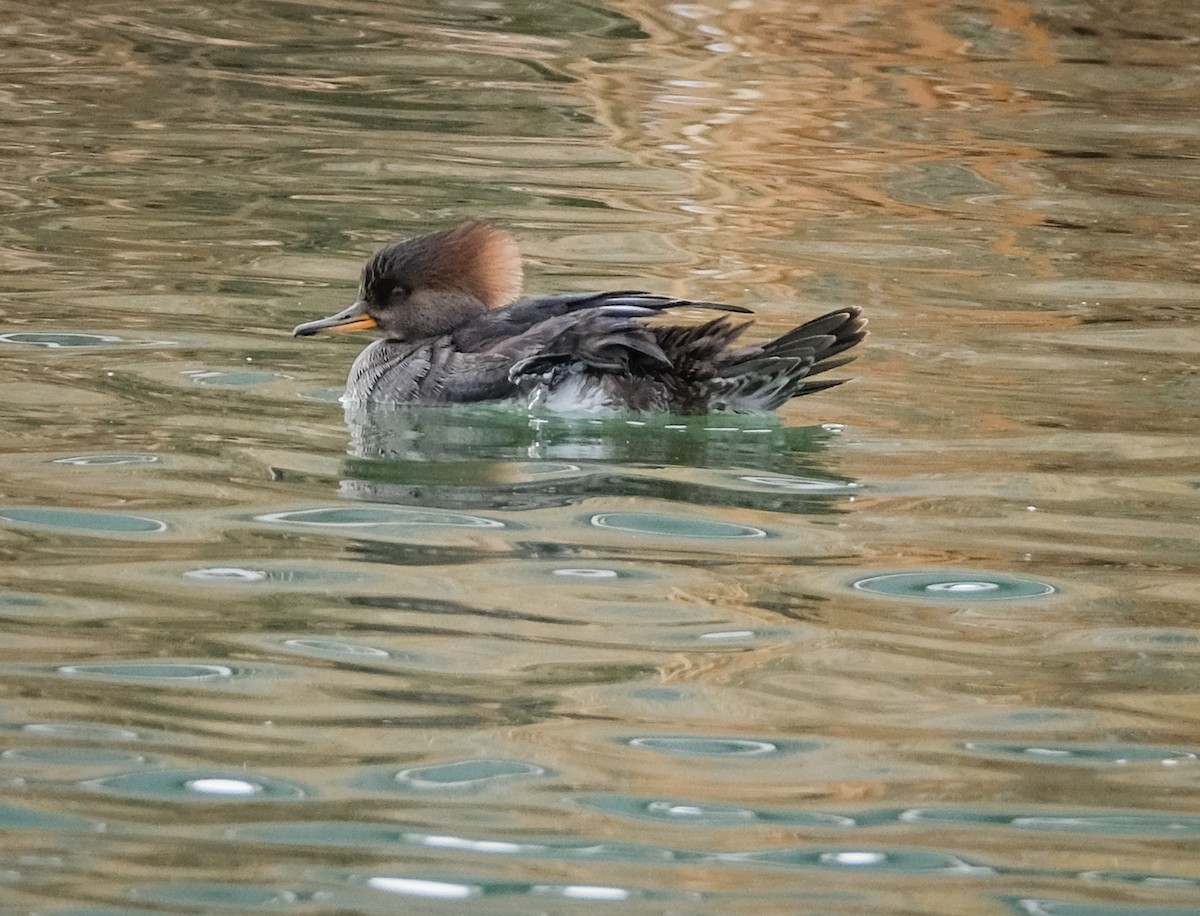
(454, 331)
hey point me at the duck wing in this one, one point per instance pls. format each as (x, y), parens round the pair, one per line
(499, 326)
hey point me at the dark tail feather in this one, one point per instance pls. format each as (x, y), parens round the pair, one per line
(766, 376)
(809, 387)
(845, 326)
(824, 337)
(801, 348)
(826, 364)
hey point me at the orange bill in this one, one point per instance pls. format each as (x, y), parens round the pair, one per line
(354, 318)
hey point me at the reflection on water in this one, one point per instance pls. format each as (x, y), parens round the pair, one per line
(926, 643)
(943, 585)
(478, 456)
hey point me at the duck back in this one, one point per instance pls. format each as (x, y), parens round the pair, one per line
(586, 353)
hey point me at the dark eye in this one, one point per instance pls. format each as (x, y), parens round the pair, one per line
(383, 289)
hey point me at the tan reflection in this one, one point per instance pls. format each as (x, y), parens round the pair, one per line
(780, 113)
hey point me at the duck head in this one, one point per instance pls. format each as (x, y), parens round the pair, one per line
(430, 285)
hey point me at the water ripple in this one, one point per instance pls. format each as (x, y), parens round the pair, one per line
(200, 786)
(66, 340)
(941, 585)
(673, 526)
(166, 673)
(77, 521)
(698, 746)
(338, 517)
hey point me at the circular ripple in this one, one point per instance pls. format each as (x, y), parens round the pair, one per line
(709, 815)
(232, 379)
(375, 516)
(581, 891)
(1084, 754)
(728, 635)
(690, 746)
(83, 522)
(162, 672)
(673, 526)
(466, 773)
(705, 815)
(336, 648)
(323, 395)
(276, 576)
(106, 460)
(191, 785)
(223, 786)
(584, 572)
(227, 574)
(938, 585)
(56, 341)
(420, 887)
(875, 860)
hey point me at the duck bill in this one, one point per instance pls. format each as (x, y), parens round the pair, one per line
(354, 318)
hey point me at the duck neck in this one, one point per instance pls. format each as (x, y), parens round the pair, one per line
(432, 313)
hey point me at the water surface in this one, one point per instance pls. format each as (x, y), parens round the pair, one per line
(926, 643)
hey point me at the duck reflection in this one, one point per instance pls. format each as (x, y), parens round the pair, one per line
(505, 458)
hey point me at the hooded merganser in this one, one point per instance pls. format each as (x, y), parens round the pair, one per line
(442, 300)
